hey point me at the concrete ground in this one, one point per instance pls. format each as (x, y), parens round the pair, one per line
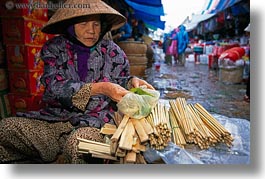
(199, 84)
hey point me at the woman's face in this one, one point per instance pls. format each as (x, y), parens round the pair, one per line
(88, 32)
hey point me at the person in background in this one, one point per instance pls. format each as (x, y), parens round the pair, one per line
(125, 32)
(141, 30)
(173, 48)
(183, 41)
(166, 44)
(85, 75)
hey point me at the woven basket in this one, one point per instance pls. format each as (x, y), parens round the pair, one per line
(133, 47)
(137, 59)
(138, 64)
(138, 70)
(231, 75)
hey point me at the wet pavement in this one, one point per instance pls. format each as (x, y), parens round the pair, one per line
(199, 84)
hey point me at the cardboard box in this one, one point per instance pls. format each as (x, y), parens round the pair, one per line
(34, 9)
(5, 108)
(20, 103)
(23, 31)
(3, 79)
(24, 57)
(25, 82)
(2, 55)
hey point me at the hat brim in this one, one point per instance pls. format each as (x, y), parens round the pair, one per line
(65, 17)
(59, 27)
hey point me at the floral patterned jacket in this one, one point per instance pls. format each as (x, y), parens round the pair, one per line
(68, 97)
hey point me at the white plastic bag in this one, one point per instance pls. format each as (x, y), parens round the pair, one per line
(139, 103)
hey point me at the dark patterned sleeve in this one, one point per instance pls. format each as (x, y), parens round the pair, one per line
(81, 98)
(59, 78)
(124, 76)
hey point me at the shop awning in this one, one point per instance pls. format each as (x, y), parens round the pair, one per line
(149, 19)
(153, 7)
(149, 11)
(215, 6)
(196, 19)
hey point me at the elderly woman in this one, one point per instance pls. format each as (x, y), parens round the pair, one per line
(85, 75)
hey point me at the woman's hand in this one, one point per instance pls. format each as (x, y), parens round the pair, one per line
(112, 90)
(137, 82)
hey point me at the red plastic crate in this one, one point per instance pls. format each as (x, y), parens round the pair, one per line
(34, 9)
(25, 82)
(24, 57)
(20, 103)
(23, 31)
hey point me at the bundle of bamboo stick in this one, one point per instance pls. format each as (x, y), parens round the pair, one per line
(221, 134)
(193, 124)
(130, 137)
(159, 119)
(182, 124)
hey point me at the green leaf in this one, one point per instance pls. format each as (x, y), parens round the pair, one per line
(140, 91)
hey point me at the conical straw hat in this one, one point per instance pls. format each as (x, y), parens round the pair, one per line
(73, 11)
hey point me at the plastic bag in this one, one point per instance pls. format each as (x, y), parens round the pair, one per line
(139, 103)
(172, 154)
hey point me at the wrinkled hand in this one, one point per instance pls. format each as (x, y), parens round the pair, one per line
(114, 91)
(137, 82)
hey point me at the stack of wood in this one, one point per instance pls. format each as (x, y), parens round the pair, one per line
(125, 142)
(182, 124)
(96, 149)
(193, 124)
(132, 136)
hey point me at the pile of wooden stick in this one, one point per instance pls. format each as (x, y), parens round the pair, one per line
(193, 124)
(133, 135)
(181, 123)
(125, 143)
(130, 137)
(159, 119)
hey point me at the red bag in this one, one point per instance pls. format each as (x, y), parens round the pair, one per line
(233, 54)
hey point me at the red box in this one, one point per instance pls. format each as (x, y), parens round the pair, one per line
(25, 82)
(20, 103)
(35, 9)
(23, 31)
(3, 79)
(24, 57)
(5, 108)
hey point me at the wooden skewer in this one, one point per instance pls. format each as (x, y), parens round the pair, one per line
(126, 141)
(120, 129)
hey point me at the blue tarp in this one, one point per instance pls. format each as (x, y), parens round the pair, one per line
(224, 5)
(240, 9)
(147, 8)
(215, 6)
(149, 11)
(150, 19)
(148, 2)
